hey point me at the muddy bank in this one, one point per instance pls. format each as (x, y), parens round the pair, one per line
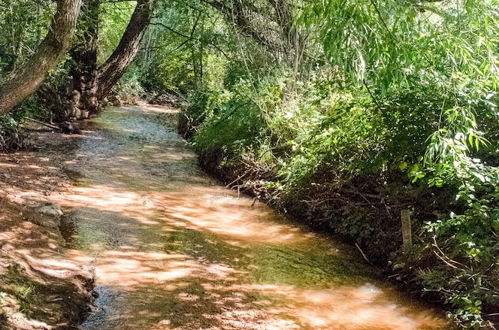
(39, 287)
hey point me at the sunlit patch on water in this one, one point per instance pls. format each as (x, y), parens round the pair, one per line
(173, 250)
(217, 199)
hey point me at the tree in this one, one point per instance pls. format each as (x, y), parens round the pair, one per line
(115, 66)
(89, 85)
(27, 79)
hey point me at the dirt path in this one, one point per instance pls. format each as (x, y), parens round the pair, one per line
(172, 249)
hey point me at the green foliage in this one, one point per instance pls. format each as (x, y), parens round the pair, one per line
(446, 52)
(129, 86)
(233, 120)
(344, 138)
(12, 136)
(402, 43)
(170, 74)
(114, 19)
(23, 23)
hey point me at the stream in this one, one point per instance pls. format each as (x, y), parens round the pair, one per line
(174, 249)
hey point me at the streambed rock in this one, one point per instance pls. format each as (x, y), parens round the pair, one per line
(48, 215)
(50, 210)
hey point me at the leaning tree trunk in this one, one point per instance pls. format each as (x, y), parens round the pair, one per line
(117, 64)
(26, 80)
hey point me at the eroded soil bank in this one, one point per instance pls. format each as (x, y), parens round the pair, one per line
(39, 287)
(172, 249)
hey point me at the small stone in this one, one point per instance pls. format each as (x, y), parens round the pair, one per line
(50, 210)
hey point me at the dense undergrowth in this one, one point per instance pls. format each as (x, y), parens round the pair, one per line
(13, 136)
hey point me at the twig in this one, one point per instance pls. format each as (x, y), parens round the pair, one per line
(237, 179)
(448, 261)
(353, 190)
(363, 254)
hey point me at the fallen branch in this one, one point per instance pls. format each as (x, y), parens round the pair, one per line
(448, 261)
(353, 190)
(42, 123)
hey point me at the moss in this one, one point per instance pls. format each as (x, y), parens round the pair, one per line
(26, 291)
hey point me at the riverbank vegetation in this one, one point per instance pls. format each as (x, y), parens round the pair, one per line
(343, 113)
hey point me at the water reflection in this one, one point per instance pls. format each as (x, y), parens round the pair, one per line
(172, 249)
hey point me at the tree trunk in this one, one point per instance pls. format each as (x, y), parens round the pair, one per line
(117, 64)
(84, 72)
(83, 95)
(77, 99)
(27, 79)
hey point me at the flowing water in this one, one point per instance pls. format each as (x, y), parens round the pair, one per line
(173, 249)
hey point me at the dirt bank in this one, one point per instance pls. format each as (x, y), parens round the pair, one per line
(39, 287)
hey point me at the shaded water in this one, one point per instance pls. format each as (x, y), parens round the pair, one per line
(173, 249)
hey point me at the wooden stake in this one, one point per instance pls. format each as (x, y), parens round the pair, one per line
(405, 216)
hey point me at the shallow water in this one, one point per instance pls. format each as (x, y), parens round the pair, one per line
(173, 249)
